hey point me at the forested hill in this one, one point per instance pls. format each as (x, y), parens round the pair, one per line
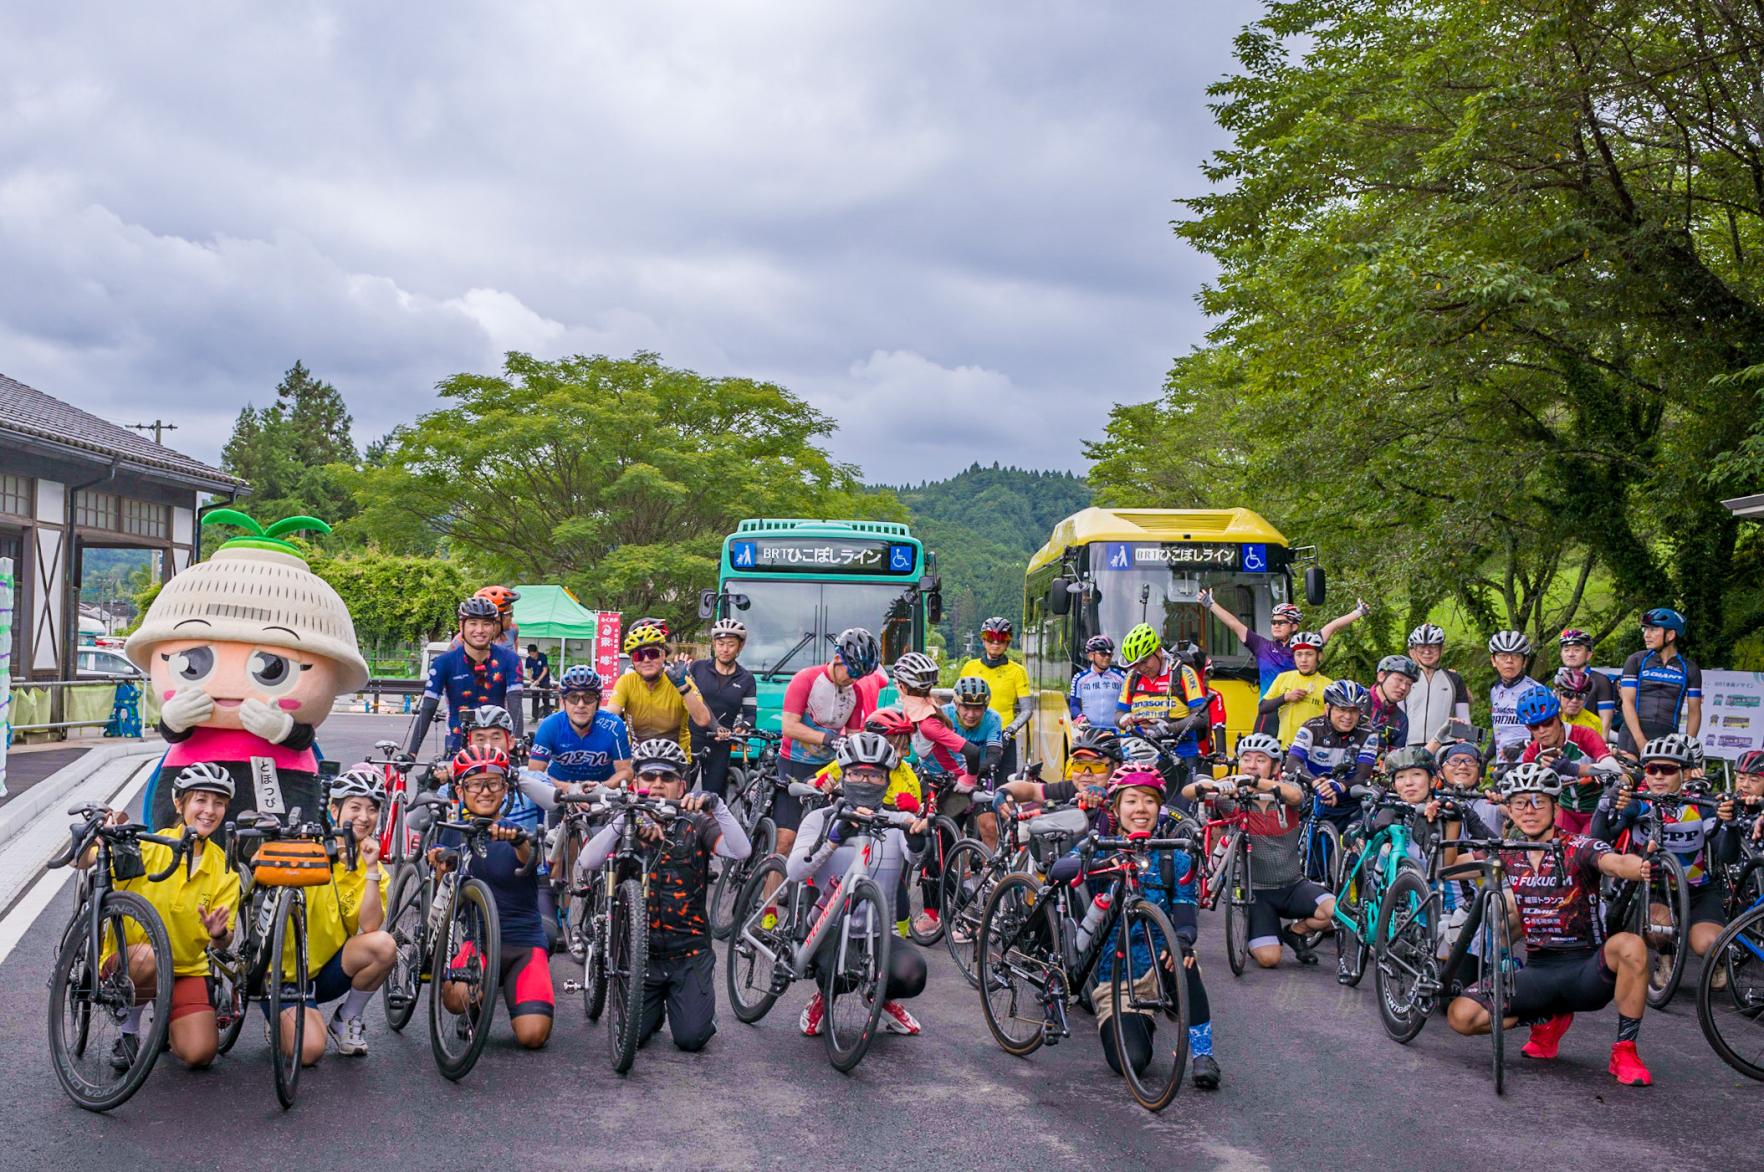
(984, 523)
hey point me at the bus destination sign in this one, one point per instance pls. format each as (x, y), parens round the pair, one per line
(1251, 558)
(815, 555)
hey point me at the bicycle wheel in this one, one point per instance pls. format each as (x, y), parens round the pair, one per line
(963, 899)
(289, 984)
(466, 969)
(1405, 968)
(627, 964)
(1666, 928)
(1159, 994)
(855, 984)
(1238, 897)
(407, 905)
(756, 968)
(1351, 949)
(725, 893)
(1497, 956)
(1018, 965)
(926, 883)
(593, 905)
(230, 1006)
(91, 997)
(1733, 1018)
(570, 894)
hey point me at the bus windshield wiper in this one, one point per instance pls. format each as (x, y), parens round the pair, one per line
(770, 672)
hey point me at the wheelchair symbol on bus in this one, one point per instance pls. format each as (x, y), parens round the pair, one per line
(1255, 558)
(900, 558)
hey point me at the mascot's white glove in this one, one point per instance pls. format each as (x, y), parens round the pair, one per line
(272, 724)
(186, 709)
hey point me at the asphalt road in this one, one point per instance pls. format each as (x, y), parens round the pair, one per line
(1310, 1081)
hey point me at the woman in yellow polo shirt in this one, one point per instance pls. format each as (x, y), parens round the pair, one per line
(197, 904)
(348, 951)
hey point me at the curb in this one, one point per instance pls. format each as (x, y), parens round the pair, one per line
(18, 813)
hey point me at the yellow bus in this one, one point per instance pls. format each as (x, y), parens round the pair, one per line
(1104, 571)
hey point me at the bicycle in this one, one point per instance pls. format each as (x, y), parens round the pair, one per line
(269, 959)
(779, 934)
(925, 886)
(1031, 955)
(752, 791)
(1732, 1018)
(464, 935)
(1226, 847)
(1320, 853)
(1657, 910)
(617, 948)
(92, 980)
(971, 871)
(408, 900)
(1359, 903)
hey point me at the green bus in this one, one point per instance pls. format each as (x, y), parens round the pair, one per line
(796, 583)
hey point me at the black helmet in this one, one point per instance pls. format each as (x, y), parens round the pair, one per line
(1104, 742)
(856, 648)
(997, 625)
(477, 607)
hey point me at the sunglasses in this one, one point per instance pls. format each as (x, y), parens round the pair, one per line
(1086, 768)
(582, 698)
(1541, 724)
(654, 775)
(1527, 801)
(1662, 770)
(644, 654)
(967, 707)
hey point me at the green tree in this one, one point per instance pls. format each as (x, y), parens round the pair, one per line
(617, 477)
(297, 452)
(1485, 274)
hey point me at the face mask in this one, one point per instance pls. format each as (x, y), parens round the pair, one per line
(864, 793)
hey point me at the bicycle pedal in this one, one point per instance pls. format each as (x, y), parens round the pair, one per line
(572, 986)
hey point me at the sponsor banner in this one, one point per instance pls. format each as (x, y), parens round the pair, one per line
(1733, 712)
(606, 646)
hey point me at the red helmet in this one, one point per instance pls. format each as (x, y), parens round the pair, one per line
(890, 722)
(1132, 777)
(1751, 761)
(480, 760)
(502, 596)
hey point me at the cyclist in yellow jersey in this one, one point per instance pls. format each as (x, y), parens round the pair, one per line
(1011, 697)
(657, 700)
(348, 951)
(1573, 687)
(197, 904)
(1297, 695)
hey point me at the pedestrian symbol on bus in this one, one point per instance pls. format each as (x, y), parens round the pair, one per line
(900, 558)
(1255, 558)
(1119, 557)
(741, 554)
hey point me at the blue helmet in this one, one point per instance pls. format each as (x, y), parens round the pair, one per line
(1537, 706)
(580, 678)
(1666, 617)
(1346, 694)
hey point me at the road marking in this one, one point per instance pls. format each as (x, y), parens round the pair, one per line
(30, 905)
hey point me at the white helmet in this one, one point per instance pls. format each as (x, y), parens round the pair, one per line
(203, 775)
(1531, 778)
(361, 781)
(729, 626)
(1427, 635)
(1514, 641)
(658, 751)
(915, 669)
(1259, 743)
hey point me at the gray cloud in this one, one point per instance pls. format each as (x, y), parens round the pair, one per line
(946, 226)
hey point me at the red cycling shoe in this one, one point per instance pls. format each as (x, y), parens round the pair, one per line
(1626, 1064)
(1546, 1037)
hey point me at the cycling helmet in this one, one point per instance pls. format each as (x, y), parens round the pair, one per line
(1751, 761)
(1410, 757)
(857, 650)
(1099, 643)
(476, 607)
(914, 670)
(503, 598)
(1400, 665)
(1286, 612)
(970, 690)
(1133, 777)
(658, 751)
(732, 627)
(1139, 752)
(1666, 617)
(645, 635)
(998, 627)
(1673, 747)
(1696, 750)
(1309, 639)
(1572, 680)
(867, 748)
(1536, 706)
(580, 678)
(1427, 635)
(488, 716)
(1099, 742)
(483, 760)
(1514, 641)
(1140, 642)
(360, 781)
(203, 775)
(1531, 777)
(1346, 694)
(1259, 743)
(1574, 637)
(890, 722)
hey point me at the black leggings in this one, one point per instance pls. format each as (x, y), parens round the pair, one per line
(906, 968)
(1137, 1028)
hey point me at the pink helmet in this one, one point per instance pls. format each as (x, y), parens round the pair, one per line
(1132, 777)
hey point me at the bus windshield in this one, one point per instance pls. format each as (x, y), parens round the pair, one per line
(883, 609)
(791, 624)
(1168, 600)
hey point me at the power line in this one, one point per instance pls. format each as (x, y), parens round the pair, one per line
(156, 427)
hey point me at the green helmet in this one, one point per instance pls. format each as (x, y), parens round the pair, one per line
(1412, 757)
(1140, 642)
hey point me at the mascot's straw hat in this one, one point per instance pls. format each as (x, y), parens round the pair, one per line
(255, 589)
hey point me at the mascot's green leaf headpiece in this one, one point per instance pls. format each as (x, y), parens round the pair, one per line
(259, 537)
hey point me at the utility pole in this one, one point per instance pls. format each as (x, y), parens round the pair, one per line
(156, 427)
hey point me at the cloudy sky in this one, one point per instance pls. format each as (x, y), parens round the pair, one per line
(945, 225)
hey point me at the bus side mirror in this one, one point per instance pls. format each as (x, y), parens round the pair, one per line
(931, 587)
(707, 603)
(1059, 597)
(1316, 585)
(740, 601)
